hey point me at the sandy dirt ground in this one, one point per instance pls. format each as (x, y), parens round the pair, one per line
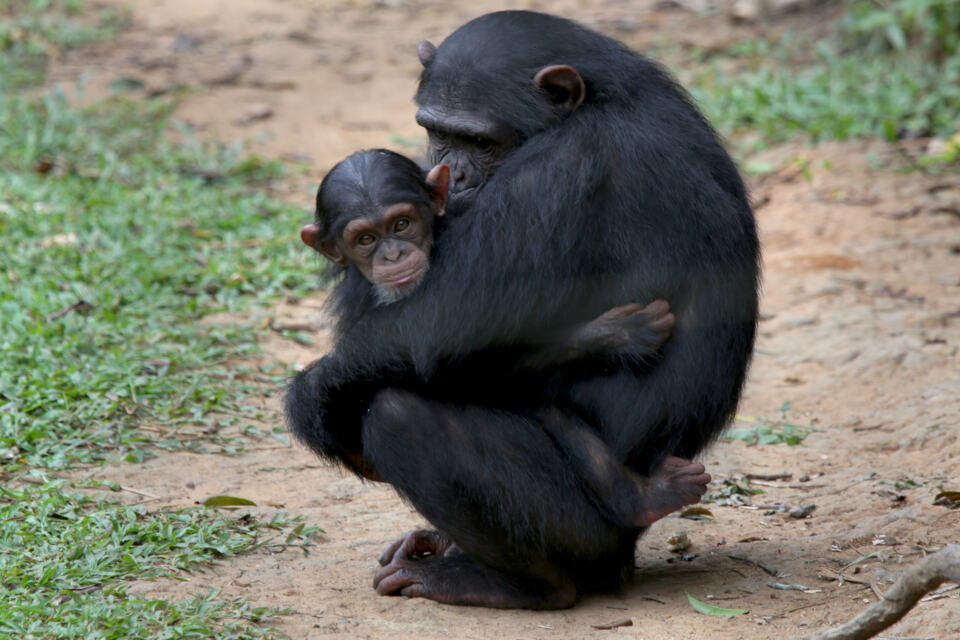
(860, 334)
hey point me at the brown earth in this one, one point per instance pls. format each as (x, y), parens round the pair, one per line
(860, 334)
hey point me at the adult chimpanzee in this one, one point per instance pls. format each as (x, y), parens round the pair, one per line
(375, 218)
(583, 179)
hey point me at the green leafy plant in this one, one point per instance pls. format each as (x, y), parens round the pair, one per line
(930, 28)
(711, 610)
(778, 431)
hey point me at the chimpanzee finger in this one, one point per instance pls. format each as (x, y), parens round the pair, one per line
(387, 556)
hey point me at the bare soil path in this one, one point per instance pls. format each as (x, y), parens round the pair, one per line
(861, 335)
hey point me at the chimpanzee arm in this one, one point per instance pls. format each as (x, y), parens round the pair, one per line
(324, 404)
(629, 331)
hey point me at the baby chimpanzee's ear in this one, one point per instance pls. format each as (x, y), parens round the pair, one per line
(312, 236)
(439, 182)
(425, 51)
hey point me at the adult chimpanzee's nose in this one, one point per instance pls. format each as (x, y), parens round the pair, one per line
(459, 177)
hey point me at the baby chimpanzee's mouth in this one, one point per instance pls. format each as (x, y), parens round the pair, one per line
(402, 280)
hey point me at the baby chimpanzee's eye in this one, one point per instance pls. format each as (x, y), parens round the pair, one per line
(401, 224)
(366, 239)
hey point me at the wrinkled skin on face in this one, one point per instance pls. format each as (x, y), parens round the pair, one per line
(472, 141)
(471, 147)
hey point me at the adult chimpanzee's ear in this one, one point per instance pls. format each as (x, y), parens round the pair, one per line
(425, 51)
(563, 84)
(439, 182)
(312, 236)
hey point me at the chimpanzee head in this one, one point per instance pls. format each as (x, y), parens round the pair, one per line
(375, 213)
(491, 85)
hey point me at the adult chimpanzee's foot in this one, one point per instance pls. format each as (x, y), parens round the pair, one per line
(675, 484)
(416, 566)
(421, 543)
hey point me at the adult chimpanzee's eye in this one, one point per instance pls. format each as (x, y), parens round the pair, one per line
(483, 144)
(366, 239)
(401, 224)
(440, 136)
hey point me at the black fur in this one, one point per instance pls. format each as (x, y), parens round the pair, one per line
(631, 197)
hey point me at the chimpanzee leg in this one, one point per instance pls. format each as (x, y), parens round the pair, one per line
(627, 498)
(526, 532)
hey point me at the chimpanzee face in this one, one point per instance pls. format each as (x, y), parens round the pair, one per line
(471, 146)
(390, 248)
(474, 140)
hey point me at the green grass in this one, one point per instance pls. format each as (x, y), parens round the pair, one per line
(66, 559)
(836, 98)
(884, 70)
(780, 430)
(31, 31)
(117, 245)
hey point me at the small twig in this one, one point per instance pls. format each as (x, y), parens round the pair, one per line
(830, 574)
(142, 494)
(79, 306)
(626, 622)
(940, 593)
(304, 613)
(792, 587)
(786, 475)
(808, 605)
(140, 502)
(153, 428)
(306, 327)
(862, 558)
(766, 570)
(916, 582)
